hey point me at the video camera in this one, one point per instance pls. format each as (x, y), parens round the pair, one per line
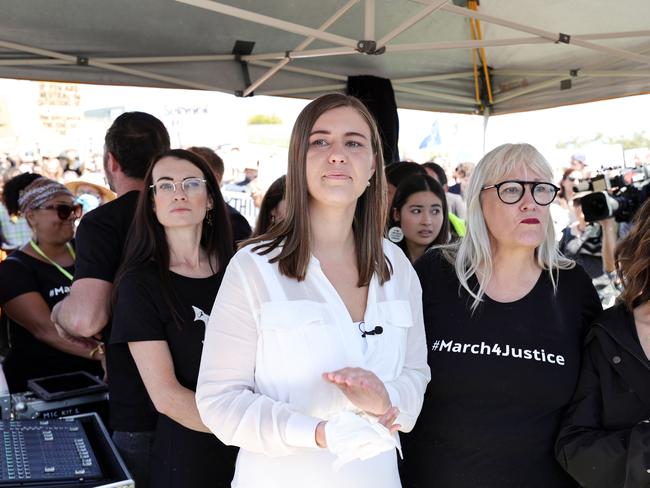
(617, 192)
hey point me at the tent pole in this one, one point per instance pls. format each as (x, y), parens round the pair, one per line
(132, 60)
(309, 53)
(486, 119)
(612, 35)
(267, 75)
(611, 50)
(369, 20)
(201, 58)
(304, 71)
(307, 89)
(528, 89)
(479, 35)
(475, 65)
(539, 86)
(33, 62)
(433, 94)
(471, 44)
(271, 22)
(337, 15)
(419, 79)
(422, 46)
(581, 73)
(407, 24)
(555, 37)
(107, 66)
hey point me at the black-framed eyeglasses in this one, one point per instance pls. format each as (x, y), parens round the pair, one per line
(63, 210)
(169, 187)
(512, 191)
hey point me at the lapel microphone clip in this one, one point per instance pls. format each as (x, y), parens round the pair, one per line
(376, 331)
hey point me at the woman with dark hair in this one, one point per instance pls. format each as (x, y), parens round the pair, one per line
(37, 276)
(606, 433)
(273, 207)
(177, 250)
(419, 217)
(398, 172)
(315, 351)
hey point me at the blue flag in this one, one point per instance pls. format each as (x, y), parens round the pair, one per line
(433, 138)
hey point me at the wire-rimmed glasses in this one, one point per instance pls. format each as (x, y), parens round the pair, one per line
(169, 187)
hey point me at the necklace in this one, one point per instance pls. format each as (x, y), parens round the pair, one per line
(40, 252)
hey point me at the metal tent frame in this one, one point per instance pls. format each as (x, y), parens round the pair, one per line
(472, 88)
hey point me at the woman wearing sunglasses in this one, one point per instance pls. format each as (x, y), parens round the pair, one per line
(37, 276)
(505, 315)
(179, 245)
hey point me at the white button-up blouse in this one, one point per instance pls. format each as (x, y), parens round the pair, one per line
(268, 341)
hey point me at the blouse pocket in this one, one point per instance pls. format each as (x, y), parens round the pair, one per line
(293, 343)
(289, 315)
(388, 356)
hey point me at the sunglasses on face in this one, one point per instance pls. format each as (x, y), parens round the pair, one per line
(64, 210)
(512, 191)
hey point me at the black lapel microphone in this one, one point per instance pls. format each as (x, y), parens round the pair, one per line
(376, 331)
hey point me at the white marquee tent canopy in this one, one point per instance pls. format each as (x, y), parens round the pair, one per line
(536, 53)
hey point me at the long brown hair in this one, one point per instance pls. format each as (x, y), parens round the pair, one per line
(147, 241)
(292, 234)
(632, 257)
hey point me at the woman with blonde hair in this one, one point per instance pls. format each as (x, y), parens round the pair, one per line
(315, 351)
(505, 315)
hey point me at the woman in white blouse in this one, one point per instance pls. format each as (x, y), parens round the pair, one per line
(315, 351)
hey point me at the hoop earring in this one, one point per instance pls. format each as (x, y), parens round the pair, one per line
(395, 234)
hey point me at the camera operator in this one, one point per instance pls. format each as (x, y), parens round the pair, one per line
(590, 244)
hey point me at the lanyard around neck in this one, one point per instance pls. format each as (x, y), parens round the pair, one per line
(56, 265)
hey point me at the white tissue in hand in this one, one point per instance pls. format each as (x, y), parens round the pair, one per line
(351, 436)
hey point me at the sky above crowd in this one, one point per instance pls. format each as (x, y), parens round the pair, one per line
(220, 120)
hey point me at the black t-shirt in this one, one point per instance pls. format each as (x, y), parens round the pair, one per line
(500, 381)
(100, 238)
(30, 358)
(181, 457)
(241, 229)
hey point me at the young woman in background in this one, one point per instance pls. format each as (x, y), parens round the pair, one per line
(419, 217)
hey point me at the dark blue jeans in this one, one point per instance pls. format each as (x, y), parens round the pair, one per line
(135, 449)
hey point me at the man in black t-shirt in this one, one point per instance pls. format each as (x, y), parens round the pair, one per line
(131, 143)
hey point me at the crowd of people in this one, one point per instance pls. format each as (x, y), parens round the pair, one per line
(377, 328)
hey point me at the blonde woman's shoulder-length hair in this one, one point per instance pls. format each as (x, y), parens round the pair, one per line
(472, 256)
(291, 236)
